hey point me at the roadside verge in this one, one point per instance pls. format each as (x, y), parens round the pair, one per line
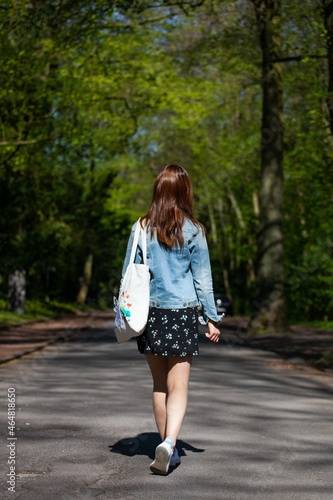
(18, 341)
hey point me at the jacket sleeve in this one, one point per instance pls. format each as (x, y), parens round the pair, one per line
(202, 276)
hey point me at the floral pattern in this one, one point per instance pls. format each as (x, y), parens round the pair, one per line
(125, 304)
(170, 332)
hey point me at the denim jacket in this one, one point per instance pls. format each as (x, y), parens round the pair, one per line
(180, 277)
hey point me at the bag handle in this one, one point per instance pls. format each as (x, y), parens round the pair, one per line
(144, 243)
(139, 230)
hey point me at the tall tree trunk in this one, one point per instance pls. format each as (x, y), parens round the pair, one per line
(17, 286)
(328, 23)
(87, 274)
(269, 304)
(239, 216)
(225, 270)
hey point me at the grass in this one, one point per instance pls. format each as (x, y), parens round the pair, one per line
(35, 311)
(326, 360)
(326, 325)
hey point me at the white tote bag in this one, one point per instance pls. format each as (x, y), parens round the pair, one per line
(133, 302)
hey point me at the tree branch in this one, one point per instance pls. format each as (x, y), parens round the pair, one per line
(155, 19)
(19, 143)
(298, 57)
(181, 4)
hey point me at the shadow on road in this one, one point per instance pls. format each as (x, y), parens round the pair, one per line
(145, 444)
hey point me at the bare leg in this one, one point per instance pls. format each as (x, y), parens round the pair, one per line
(159, 369)
(170, 393)
(177, 395)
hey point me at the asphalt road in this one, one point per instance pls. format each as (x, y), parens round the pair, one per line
(85, 427)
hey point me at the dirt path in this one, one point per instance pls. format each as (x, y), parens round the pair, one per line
(300, 345)
(20, 340)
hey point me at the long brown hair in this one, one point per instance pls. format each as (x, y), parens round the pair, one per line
(172, 201)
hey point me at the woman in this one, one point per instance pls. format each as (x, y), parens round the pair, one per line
(178, 259)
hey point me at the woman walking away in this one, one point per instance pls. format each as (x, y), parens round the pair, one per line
(181, 280)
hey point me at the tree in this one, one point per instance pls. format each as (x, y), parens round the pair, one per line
(269, 300)
(97, 96)
(327, 10)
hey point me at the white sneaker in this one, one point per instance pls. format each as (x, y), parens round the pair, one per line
(163, 455)
(175, 458)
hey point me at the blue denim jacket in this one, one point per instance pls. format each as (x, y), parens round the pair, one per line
(180, 277)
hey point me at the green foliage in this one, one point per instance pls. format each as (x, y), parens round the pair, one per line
(325, 361)
(34, 310)
(310, 282)
(95, 97)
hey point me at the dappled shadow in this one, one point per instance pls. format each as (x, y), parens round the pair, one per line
(86, 405)
(16, 341)
(313, 345)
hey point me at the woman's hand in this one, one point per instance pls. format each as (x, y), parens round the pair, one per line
(213, 333)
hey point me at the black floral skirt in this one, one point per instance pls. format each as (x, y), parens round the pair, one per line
(170, 332)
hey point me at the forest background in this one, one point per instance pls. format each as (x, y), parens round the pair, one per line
(97, 96)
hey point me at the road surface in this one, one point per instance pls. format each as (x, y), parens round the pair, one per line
(85, 428)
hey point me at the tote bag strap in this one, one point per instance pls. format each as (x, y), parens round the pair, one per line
(144, 243)
(139, 230)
